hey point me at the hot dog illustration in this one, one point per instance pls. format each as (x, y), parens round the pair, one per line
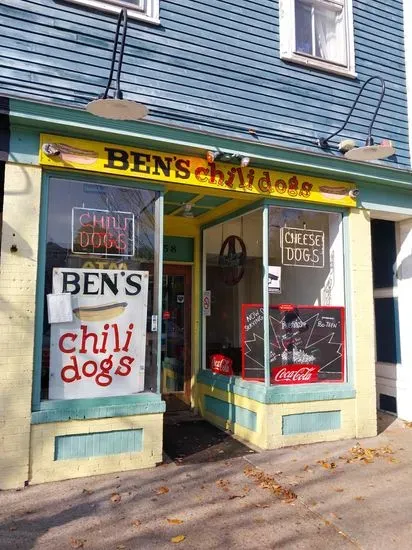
(100, 313)
(68, 153)
(335, 193)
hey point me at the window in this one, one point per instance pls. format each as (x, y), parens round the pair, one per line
(101, 257)
(147, 10)
(305, 294)
(318, 33)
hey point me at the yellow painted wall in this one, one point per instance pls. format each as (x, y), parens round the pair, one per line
(44, 468)
(17, 295)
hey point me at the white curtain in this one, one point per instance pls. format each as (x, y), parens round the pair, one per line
(330, 35)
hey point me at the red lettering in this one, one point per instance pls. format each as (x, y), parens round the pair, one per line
(306, 189)
(86, 214)
(280, 186)
(264, 183)
(201, 173)
(216, 173)
(128, 337)
(230, 177)
(126, 364)
(104, 378)
(86, 336)
(84, 239)
(293, 186)
(75, 375)
(86, 372)
(71, 336)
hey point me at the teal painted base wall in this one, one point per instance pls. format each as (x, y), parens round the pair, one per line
(311, 422)
(98, 444)
(233, 413)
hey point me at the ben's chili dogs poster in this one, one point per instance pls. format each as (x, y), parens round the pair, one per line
(101, 352)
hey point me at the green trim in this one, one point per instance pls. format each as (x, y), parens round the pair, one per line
(303, 423)
(159, 265)
(68, 121)
(231, 413)
(276, 394)
(86, 445)
(178, 249)
(266, 324)
(105, 407)
(39, 308)
(24, 145)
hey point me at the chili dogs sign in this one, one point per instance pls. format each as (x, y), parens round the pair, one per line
(96, 156)
(102, 351)
(102, 232)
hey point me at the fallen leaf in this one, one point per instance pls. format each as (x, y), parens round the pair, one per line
(262, 505)
(359, 498)
(77, 543)
(222, 483)
(174, 521)
(162, 490)
(87, 492)
(178, 539)
(339, 490)
(236, 496)
(120, 547)
(136, 522)
(12, 528)
(306, 467)
(115, 497)
(408, 424)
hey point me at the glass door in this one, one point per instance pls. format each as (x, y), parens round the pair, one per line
(176, 335)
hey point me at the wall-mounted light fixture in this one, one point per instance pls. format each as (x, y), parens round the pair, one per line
(187, 210)
(116, 107)
(218, 155)
(369, 151)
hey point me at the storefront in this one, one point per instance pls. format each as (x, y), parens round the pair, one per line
(236, 290)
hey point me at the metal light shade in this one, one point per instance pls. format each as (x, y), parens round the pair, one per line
(370, 152)
(117, 109)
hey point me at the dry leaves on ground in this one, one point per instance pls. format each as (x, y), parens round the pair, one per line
(223, 484)
(136, 523)
(178, 539)
(367, 455)
(174, 521)
(162, 490)
(115, 497)
(77, 543)
(87, 491)
(268, 482)
(327, 465)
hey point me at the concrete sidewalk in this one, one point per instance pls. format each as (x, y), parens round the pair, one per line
(339, 495)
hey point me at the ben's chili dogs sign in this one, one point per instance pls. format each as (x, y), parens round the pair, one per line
(102, 351)
(96, 156)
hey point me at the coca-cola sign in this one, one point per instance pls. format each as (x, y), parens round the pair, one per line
(294, 374)
(220, 364)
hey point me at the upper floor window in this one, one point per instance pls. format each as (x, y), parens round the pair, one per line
(147, 10)
(318, 33)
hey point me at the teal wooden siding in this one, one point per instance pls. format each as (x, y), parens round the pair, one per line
(210, 65)
(233, 413)
(98, 444)
(310, 422)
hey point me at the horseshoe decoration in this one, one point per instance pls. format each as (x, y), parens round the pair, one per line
(232, 259)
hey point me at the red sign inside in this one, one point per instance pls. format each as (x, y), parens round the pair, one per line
(294, 374)
(220, 364)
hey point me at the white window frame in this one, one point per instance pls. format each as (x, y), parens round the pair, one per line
(147, 10)
(288, 42)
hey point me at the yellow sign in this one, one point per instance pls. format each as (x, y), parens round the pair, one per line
(107, 158)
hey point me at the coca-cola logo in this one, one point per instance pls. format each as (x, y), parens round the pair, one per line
(221, 364)
(295, 374)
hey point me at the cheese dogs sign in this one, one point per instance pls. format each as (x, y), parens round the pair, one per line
(135, 162)
(102, 351)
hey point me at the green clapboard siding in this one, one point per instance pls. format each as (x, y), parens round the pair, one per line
(98, 444)
(233, 413)
(177, 249)
(310, 422)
